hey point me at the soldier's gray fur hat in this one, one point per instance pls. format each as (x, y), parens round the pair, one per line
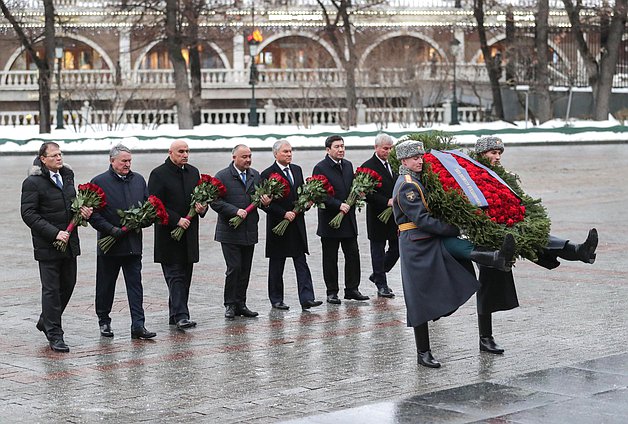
(408, 149)
(488, 142)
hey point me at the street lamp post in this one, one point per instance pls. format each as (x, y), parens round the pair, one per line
(454, 46)
(252, 79)
(59, 57)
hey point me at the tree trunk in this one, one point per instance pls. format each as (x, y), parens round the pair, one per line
(350, 67)
(195, 62)
(600, 74)
(544, 106)
(43, 65)
(491, 64)
(182, 87)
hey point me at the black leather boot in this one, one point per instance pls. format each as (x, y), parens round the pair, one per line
(422, 340)
(499, 259)
(487, 342)
(584, 252)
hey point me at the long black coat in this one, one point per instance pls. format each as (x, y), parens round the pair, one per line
(341, 181)
(377, 202)
(121, 195)
(434, 283)
(174, 185)
(293, 243)
(46, 209)
(238, 197)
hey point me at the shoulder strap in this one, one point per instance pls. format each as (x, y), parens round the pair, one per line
(409, 179)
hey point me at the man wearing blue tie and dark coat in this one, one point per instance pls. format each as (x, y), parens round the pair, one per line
(293, 243)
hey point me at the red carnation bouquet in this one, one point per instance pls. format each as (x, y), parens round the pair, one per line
(312, 193)
(207, 190)
(275, 187)
(504, 207)
(89, 195)
(142, 216)
(365, 181)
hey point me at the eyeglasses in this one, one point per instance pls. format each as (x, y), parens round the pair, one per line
(56, 155)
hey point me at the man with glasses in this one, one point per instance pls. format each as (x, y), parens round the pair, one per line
(47, 195)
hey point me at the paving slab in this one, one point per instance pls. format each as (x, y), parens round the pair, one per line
(566, 346)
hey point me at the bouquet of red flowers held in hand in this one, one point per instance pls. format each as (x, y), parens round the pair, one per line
(275, 187)
(365, 181)
(89, 195)
(142, 216)
(207, 190)
(312, 193)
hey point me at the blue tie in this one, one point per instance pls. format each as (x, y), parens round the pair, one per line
(243, 176)
(58, 180)
(286, 170)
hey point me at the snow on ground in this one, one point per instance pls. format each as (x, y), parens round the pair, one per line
(219, 137)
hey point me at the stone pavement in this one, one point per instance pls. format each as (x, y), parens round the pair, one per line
(566, 354)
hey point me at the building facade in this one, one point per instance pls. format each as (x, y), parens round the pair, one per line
(113, 65)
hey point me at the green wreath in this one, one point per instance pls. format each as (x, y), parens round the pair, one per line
(531, 234)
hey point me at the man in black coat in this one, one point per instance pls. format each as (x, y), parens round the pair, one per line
(339, 172)
(47, 195)
(238, 244)
(293, 243)
(173, 183)
(380, 233)
(124, 189)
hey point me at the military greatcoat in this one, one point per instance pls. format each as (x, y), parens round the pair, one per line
(434, 283)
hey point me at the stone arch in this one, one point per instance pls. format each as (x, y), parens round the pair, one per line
(402, 33)
(220, 52)
(501, 37)
(328, 48)
(82, 39)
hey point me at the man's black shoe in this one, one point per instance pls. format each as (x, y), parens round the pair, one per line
(58, 345)
(246, 312)
(312, 304)
(184, 323)
(106, 331)
(385, 292)
(230, 312)
(333, 298)
(281, 305)
(427, 360)
(487, 344)
(142, 333)
(355, 295)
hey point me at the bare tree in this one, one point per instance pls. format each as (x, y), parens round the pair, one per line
(600, 70)
(541, 84)
(174, 43)
(339, 30)
(45, 64)
(492, 66)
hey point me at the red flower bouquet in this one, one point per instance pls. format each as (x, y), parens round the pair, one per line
(312, 193)
(207, 190)
(142, 216)
(89, 195)
(504, 207)
(365, 181)
(275, 187)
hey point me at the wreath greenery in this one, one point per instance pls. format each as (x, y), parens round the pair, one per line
(531, 234)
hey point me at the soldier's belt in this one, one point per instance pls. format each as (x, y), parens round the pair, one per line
(407, 226)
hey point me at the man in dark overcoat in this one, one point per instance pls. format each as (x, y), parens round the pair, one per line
(125, 189)
(380, 233)
(238, 244)
(497, 288)
(435, 283)
(47, 195)
(293, 243)
(173, 183)
(339, 172)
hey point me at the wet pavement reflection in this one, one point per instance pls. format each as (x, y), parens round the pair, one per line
(566, 358)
